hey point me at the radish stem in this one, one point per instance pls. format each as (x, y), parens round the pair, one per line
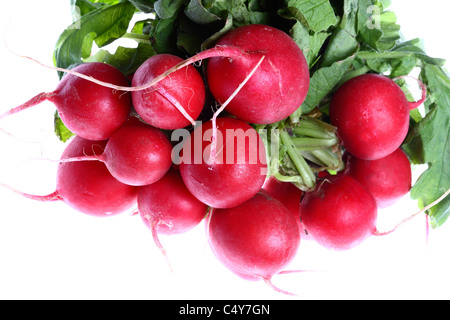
(302, 167)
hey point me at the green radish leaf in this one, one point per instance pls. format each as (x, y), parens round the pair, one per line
(322, 83)
(314, 14)
(166, 9)
(146, 6)
(343, 42)
(377, 29)
(82, 7)
(196, 12)
(311, 44)
(61, 130)
(434, 136)
(103, 25)
(127, 60)
(243, 12)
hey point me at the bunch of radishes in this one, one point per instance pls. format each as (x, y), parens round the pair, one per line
(122, 154)
(371, 114)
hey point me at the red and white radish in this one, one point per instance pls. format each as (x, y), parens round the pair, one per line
(278, 88)
(89, 110)
(231, 175)
(167, 207)
(137, 154)
(340, 213)
(289, 195)
(387, 179)
(371, 113)
(256, 239)
(174, 102)
(88, 186)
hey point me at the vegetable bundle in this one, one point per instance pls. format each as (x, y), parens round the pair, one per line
(299, 79)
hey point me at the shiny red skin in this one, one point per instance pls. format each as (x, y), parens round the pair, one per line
(89, 110)
(277, 88)
(371, 113)
(138, 154)
(387, 179)
(170, 205)
(340, 213)
(256, 239)
(222, 183)
(87, 186)
(185, 85)
(289, 195)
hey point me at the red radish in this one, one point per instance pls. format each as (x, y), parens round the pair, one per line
(340, 213)
(289, 195)
(88, 186)
(237, 170)
(136, 154)
(256, 239)
(167, 207)
(275, 92)
(371, 113)
(279, 86)
(174, 102)
(89, 110)
(387, 179)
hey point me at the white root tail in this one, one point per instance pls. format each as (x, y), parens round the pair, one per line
(224, 105)
(219, 51)
(379, 233)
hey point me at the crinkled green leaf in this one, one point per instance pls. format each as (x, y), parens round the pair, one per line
(316, 15)
(391, 31)
(82, 7)
(199, 14)
(184, 26)
(413, 47)
(322, 83)
(243, 12)
(166, 9)
(377, 29)
(127, 60)
(163, 35)
(310, 44)
(146, 6)
(208, 43)
(102, 25)
(399, 61)
(142, 27)
(107, 2)
(433, 136)
(343, 41)
(190, 36)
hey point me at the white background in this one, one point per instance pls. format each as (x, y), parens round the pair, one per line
(48, 251)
